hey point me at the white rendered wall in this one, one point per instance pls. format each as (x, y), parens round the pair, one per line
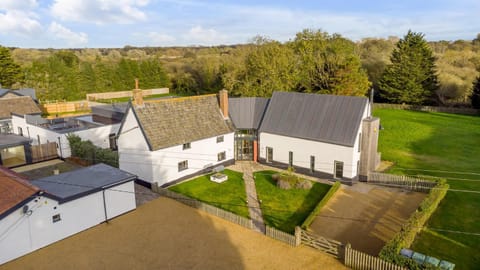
(99, 136)
(201, 155)
(22, 234)
(133, 151)
(325, 154)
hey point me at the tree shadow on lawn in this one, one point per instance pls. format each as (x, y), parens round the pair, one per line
(452, 142)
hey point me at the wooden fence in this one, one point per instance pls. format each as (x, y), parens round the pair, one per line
(242, 221)
(122, 94)
(64, 106)
(44, 151)
(292, 240)
(321, 243)
(361, 261)
(401, 181)
(468, 111)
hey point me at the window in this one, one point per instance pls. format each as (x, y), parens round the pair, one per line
(338, 169)
(183, 165)
(20, 131)
(290, 159)
(113, 141)
(269, 154)
(221, 156)
(56, 218)
(219, 139)
(312, 164)
(186, 146)
(359, 142)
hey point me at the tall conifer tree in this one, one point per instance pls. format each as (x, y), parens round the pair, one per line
(411, 77)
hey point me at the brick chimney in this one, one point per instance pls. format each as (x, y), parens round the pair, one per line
(137, 95)
(223, 98)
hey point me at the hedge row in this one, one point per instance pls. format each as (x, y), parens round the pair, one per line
(87, 151)
(404, 239)
(320, 205)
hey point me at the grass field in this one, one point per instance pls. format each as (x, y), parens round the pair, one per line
(443, 145)
(285, 209)
(229, 195)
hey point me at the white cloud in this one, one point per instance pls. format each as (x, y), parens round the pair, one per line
(71, 38)
(18, 5)
(197, 35)
(160, 39)
(19, 23)
(100, 12)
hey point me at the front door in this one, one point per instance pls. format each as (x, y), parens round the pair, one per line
(244, 149)
(338, 170)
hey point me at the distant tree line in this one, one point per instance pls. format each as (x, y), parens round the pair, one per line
(401, 70)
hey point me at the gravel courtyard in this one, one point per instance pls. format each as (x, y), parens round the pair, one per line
(366, 216)
(164, 234)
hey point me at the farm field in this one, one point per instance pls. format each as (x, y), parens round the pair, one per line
(285, 209)
(229, 195)
(442, 145)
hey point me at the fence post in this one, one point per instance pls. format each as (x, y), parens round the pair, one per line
(298, 236)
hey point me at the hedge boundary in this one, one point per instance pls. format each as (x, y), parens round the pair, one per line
(308, 221)
(404, 239)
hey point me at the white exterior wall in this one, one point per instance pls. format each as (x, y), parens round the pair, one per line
(201, 155)
(325, 154)
(161, 166)
(22, 234)
(99, 136)
(133, 151)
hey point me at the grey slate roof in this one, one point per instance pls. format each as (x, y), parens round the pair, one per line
(247, 113)
(324, 118)
(113, 111)
(175, 121)
(20, 92)
(78, 183)
(9, 140)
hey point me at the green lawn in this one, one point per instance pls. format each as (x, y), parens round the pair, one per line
(126, 99)
(444, 145)
(229, 195)
(285, 209)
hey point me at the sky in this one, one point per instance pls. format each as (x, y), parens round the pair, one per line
(118, 23)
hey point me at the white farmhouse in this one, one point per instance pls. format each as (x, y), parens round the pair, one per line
(38, 213)
(165, 141)
(320, 135)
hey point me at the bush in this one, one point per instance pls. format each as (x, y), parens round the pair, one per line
(321, 204)
(92, 154)
(406, 236)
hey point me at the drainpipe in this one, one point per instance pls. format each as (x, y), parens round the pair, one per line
(105, 206)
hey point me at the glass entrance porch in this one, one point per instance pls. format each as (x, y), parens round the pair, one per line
(244, 144)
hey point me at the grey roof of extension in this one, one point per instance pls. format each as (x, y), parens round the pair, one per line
(247, 113)
(175, 121)
(324, 118)
(79, 183)
(9, 140)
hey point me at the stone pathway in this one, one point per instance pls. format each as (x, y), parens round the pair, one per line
(252, 198)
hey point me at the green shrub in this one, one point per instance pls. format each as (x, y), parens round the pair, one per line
(406, 236)
(87, 151)
(321, 204)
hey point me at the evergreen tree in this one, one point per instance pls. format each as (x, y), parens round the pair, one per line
(411, 77)
(475, 97)
(10, 72)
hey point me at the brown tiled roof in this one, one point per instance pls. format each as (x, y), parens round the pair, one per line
(18, 105)
(14, 189)
(176, 121)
